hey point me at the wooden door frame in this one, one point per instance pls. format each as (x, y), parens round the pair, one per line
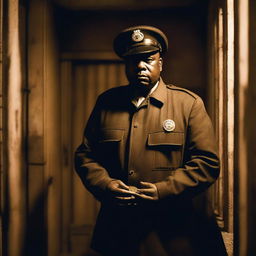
(245, 125)
(221, 106)
(13, 106)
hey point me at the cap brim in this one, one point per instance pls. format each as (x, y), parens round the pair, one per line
(140, 50)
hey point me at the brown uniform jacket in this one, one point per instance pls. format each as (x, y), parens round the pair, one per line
(128, 143)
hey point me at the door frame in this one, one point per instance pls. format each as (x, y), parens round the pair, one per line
(221, 100)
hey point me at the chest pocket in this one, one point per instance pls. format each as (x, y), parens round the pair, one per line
(111, 135)
(167, 150)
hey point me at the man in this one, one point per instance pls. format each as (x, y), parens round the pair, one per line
(148, 153)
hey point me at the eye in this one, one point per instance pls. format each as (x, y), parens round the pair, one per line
(149, 60)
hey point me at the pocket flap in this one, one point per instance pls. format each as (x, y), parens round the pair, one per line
(165, 139)
(109, 135)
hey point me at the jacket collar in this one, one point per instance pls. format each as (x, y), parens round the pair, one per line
(158, 97)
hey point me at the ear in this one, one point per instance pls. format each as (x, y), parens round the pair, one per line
(160, 64)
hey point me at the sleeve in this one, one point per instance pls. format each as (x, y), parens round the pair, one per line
(93, 175)
(201, 164)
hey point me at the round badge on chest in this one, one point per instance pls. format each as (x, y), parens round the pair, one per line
(169, 125)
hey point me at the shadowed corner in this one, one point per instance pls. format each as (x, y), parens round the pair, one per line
(35, 242)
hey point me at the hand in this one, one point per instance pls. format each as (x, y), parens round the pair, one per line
(120, 193)
(147, 191)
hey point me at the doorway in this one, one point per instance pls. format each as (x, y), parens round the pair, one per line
(82, 82)
(87, 66)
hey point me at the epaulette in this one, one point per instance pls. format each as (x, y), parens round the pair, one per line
(173, 87)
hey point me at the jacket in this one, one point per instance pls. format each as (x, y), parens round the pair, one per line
(134, 144)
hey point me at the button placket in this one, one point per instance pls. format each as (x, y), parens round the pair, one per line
(135, 129)
(134, 126)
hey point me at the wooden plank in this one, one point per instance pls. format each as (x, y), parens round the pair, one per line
(66, 146)
(36, 158)
(36, 84)
(15, 159)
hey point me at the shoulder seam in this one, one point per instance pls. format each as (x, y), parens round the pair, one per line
(173, 87)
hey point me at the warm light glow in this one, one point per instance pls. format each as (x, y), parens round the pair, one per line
(243, 27)
(14, 143)
(230, 106)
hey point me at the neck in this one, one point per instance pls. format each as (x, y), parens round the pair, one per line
(143, 91)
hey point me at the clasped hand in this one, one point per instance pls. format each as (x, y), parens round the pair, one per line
(125, 195)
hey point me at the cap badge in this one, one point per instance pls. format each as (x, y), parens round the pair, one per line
(169, 125)
(137, 36)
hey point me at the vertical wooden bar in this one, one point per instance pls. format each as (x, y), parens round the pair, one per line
(245, 125)
(66, 149)
(52, 124)
(242, 173)
(251, 120)
(230, 114)
(37, 188)
(220, 83)
(15, 169)
(221, 106)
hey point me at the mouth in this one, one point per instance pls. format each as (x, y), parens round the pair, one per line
(142, 77)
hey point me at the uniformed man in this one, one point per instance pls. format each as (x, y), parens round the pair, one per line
(148, 154)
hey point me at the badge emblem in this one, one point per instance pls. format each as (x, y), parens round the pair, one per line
(137, 36)
(169, 125)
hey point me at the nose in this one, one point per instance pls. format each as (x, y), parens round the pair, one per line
(141, 64)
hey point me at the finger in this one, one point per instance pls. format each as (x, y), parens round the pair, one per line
(147, 191)
(146, 184)
(123, 191)
(122, 185)
(143, 196)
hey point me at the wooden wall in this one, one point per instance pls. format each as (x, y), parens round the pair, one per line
(43, 134)
(34, 182)
(35, 97)
(186, 28)
(221, 109)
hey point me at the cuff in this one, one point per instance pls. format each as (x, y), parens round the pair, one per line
(163, 189)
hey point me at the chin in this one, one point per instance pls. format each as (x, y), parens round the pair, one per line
(143, 84)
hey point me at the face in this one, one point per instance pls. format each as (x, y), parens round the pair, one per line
(143, 70)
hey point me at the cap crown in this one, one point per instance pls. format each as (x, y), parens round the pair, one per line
(139, 40)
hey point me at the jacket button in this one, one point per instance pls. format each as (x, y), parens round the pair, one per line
(131, 172)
